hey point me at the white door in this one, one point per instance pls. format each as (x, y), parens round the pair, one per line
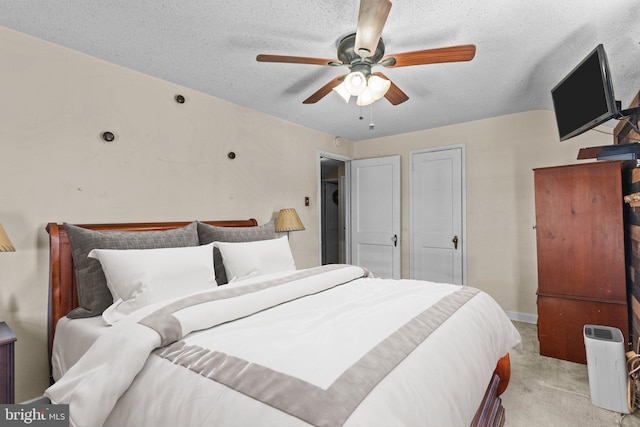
(436, 215)
(375, 215)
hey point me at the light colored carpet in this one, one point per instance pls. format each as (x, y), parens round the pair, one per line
(548, 392)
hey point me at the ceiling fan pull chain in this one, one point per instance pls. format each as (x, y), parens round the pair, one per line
(371, 125)
(361, 117)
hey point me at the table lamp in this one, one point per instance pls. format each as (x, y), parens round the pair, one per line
(288, 220)
(5, 243)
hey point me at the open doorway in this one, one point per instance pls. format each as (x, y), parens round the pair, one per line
(334, 201)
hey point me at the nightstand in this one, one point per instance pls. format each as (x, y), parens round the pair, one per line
(7, 338)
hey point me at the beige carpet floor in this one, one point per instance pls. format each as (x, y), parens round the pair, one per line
(548, 392)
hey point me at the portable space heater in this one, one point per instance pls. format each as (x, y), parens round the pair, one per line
(607, 367)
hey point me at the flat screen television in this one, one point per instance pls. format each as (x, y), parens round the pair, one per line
(584, 98)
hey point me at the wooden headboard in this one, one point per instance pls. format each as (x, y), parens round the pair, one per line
(62, 281)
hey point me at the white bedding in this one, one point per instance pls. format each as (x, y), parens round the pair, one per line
(329, 345)
(73, 338)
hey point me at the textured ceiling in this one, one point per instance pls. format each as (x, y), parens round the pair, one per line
(523, 49)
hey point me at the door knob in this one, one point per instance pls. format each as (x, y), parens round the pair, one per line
(455, 242)
(394, 239)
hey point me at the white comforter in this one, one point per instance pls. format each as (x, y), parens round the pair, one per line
(334, 348)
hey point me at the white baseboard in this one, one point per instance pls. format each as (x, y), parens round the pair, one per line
(523, 317)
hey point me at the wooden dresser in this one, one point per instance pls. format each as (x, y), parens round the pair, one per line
(581, 255)
(7, 340)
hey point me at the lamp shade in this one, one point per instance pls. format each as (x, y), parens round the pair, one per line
(378, 86)
(355, 83)
(5, 243)
(288, 220)
(365, 98)
(340, 90)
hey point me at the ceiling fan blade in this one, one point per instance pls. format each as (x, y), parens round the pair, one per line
(323, 91)
(394, 95)
(295, 59)
(371, 19)
(432, 56)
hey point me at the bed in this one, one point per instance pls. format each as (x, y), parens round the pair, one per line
(325, 346)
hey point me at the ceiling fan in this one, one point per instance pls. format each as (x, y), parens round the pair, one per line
(363, 50)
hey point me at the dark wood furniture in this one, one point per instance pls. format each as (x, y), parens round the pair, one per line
(63, 298)
(7, 365)
(581, 255)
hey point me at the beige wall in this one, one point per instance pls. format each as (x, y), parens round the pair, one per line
(168, 163)
(500, 155)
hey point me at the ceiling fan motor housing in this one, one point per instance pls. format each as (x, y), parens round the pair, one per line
(348, 56)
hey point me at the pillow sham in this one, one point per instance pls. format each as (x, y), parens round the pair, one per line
(210, 233)
(249, 259)
(93, 295)
(139, 277)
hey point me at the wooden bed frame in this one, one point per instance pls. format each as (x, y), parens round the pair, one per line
(63, 298)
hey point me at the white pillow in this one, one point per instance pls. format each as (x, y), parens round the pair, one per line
(249, 259)
(139, 277)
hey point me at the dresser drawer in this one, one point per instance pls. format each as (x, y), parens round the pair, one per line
(7, 364)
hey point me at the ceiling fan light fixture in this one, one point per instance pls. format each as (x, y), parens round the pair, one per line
(378, 86)
(365, 98)
(342, 91)
(355, 83)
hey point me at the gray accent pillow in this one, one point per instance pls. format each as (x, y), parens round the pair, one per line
(209, 233)
(93, 294)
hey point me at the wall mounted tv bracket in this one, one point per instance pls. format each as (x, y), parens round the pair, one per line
(628, 151)
(631, 114)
